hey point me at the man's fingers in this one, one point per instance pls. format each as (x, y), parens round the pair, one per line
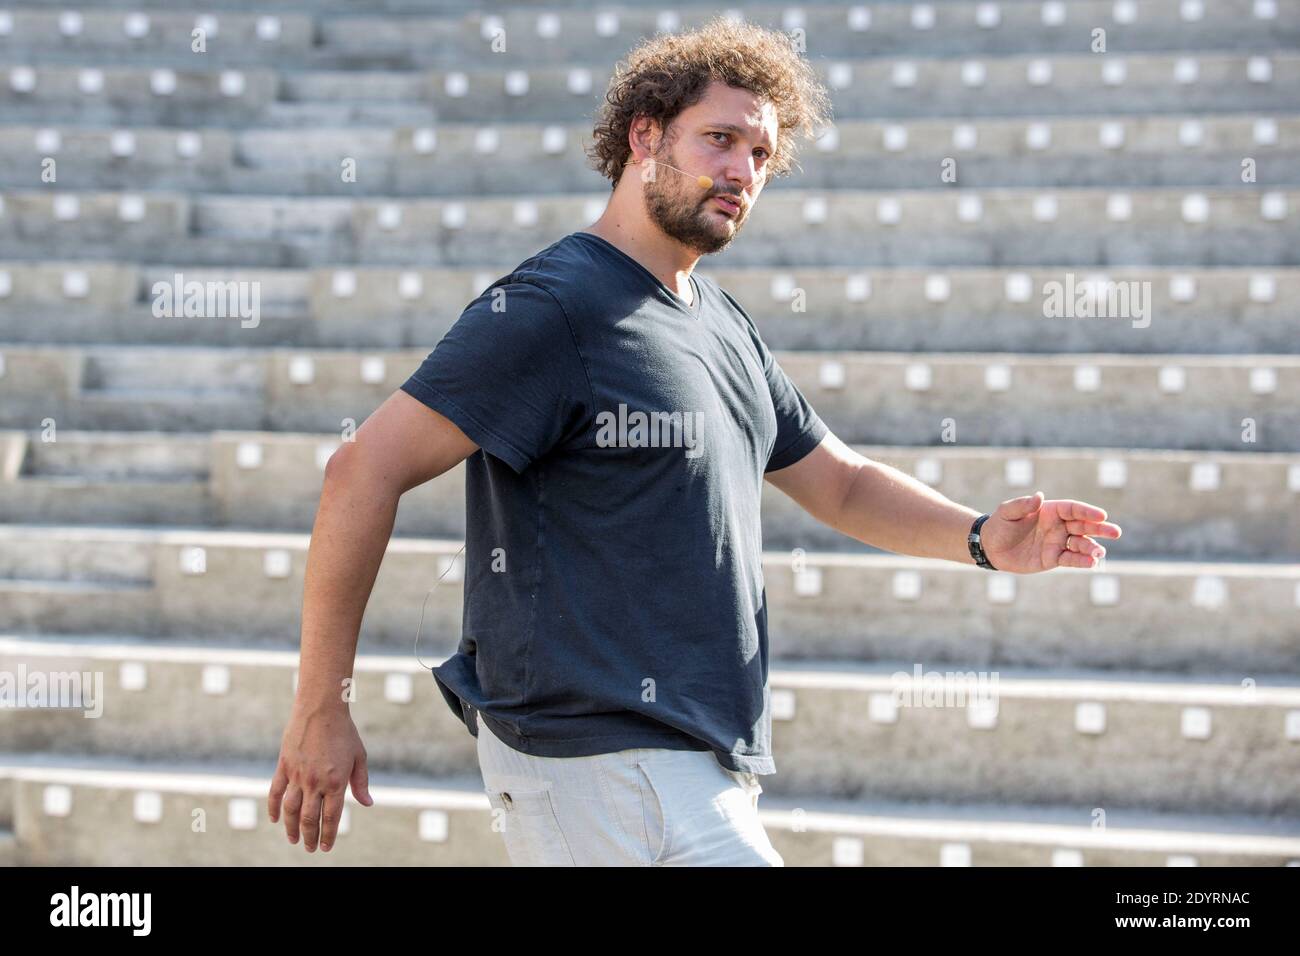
(1104, 529)
(330, 816)
(1071, 510)
(361, 782)
(292, 808)
(1072, 559)
(278, 785)
(310, 823)
(1083, 545)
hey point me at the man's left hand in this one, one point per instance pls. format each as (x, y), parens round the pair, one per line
(1031, 534)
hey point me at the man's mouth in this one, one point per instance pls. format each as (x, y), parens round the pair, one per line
(730, 205)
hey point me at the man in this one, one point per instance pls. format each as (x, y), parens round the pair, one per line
(617, 414)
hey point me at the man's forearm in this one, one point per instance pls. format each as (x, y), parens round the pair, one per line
(889, 509)
(353, 525)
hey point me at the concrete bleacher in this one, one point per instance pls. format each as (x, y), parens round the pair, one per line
(1206, 311)
(1166, 226)
(159, 476)
(1195, 401)
(1193, 149)
(838, 726)
(271, 480)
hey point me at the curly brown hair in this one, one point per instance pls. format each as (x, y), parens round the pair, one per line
(669, 73)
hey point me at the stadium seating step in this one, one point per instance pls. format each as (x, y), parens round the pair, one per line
(115, 812)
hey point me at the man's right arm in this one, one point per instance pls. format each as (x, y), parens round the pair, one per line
(401, 445)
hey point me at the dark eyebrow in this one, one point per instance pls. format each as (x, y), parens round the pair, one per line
(740, 131)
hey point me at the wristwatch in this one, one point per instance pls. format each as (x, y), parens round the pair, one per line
(976, 547)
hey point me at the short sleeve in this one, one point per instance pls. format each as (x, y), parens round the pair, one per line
(508, 374)
(799, 429)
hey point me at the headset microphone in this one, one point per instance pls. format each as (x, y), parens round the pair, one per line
(704, 182)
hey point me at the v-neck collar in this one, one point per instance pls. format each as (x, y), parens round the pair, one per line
(693, 310)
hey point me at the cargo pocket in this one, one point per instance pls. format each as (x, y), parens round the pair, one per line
(654, 816)
(530, 827)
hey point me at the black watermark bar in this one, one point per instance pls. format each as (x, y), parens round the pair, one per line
(211, 905)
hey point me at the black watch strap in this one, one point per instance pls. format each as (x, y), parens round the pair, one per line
(976, 546)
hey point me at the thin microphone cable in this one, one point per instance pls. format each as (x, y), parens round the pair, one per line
(704, 182)
(419, 627)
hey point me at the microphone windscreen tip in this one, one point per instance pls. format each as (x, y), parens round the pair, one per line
(705, 182)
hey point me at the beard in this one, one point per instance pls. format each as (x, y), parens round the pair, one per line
(677, 205)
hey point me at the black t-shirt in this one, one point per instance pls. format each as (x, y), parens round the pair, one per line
(613, 564)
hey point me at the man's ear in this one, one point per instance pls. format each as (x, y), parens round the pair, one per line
(645, 133)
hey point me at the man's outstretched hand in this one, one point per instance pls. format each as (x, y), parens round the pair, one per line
(1031, 534)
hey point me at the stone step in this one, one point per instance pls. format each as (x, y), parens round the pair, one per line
(36, 603)
(1235, 505)
(900, 730)
(167, 408)
(289, 6)
(1005, 85)
(1185, 617)
(859, 228)
(214, 372)
(1177, 310)
(904, 399)
(455, 160)
(79, 812)
(119, 456)
(86, 34)
(310, 116)
(110, 501)
(1193, 402)
(107, 478)
(81, 35)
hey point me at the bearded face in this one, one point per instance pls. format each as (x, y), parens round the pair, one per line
(676, 204)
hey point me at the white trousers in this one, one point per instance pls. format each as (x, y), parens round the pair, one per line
(639, 807)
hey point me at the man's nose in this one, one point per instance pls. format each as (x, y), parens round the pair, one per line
(746, 179)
